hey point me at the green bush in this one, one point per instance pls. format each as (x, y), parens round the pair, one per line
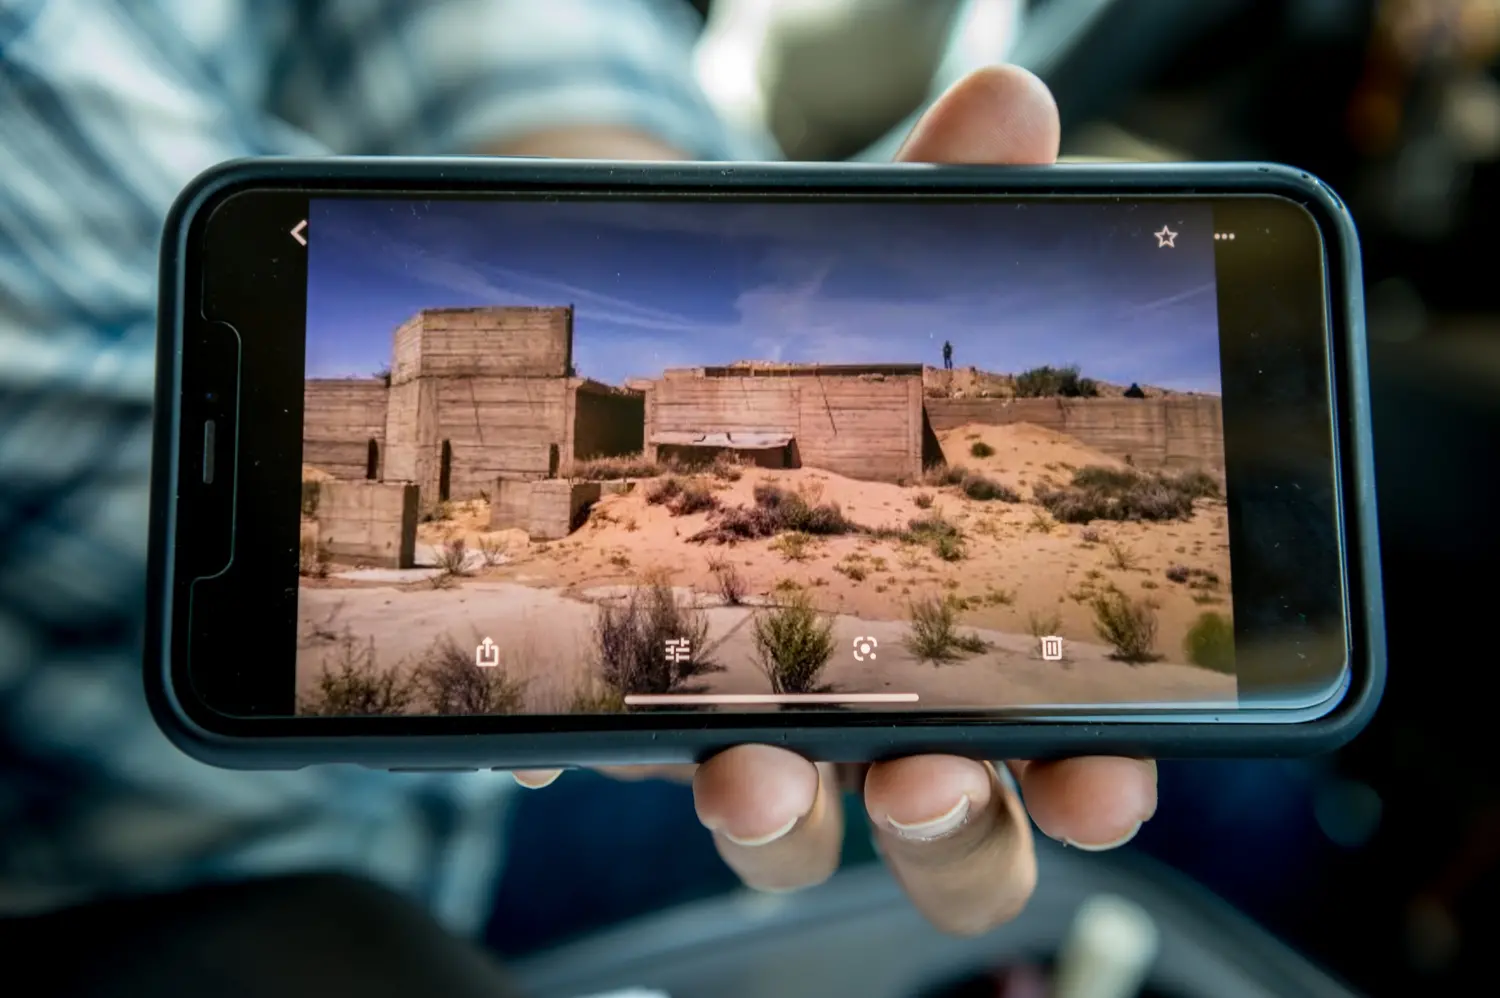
(1100, 493)
(981, 449)
(988, 490)
(1128, 625)
(793, 643)
(1210, 643)
(1049, 382)
(933, 632)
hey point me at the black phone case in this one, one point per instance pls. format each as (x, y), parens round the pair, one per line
(989, 738)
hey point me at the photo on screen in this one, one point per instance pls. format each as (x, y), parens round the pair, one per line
(602, 456)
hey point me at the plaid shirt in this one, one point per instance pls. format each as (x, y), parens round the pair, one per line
(106, 110)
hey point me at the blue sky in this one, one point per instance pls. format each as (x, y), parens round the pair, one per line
(677, 284)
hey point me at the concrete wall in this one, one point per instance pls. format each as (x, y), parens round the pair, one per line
(497, 428)
(510, 505)
(1152, 433)
(369, 523)
(491, 383)
(557, 505)
(340, 416)
(547, 510)
(861, 426)
(604, 422)
(498, 342)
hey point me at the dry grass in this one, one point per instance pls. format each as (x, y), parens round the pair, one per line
(793, 643)
(933, 635)
(354, 685)
(450, 682)
(1128, 625)
(631, 638)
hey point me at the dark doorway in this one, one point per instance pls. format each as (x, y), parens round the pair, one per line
(554, 459)
(445, 472)
(372, 460)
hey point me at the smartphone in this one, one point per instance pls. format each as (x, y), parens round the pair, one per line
(495, 463)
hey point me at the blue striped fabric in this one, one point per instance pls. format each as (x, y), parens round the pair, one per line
(106, 110)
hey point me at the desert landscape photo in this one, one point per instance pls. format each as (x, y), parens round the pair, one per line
(507, 506)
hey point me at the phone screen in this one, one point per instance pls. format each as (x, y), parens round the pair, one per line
(846, 456)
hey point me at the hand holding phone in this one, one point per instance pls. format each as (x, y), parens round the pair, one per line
(612, 464)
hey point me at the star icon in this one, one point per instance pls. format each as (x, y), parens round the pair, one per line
(1166, 238)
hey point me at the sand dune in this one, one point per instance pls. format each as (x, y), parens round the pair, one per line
(1023, 453)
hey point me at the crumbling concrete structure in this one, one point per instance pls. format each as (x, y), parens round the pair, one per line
(473, 395)
(861, 421)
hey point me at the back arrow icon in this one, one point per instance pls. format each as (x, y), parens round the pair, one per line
(297, 232)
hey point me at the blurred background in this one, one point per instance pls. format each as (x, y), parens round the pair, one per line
(1379, 864)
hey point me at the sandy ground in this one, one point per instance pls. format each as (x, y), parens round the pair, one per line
(1020, 568)
(546, 640)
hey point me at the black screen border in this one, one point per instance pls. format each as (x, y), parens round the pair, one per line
(266, 258)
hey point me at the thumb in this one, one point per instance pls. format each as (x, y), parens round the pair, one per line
(1000, 115)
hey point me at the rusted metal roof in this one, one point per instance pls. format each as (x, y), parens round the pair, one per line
(766, 440)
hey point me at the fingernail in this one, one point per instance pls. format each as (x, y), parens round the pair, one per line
(1106, 846)
(763, 840)
(933, 828)
(533, 782)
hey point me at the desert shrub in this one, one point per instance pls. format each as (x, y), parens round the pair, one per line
(793, 643)
(1121, 557)
(594, 697)
(492, 551)
(1178, 573)
(794, 546)
(923, 500)
(613, 469)
(941, 475)
(664, 491)
(1046, 382)
(933, 634)
(353, 684)
(311, 493)
(1040, 625)
(726, 468)
(1210, 642)
(452, 684)
(1196, 483)
(631, 638)
(981, 449)
(1128, 625)
(1089, 536)
(988, 490)
(313, 559)
(695, 497)
(737, 523)
(852, 571)
(453, 557)
(777, 510)
(731, 584)
(1100, 493)
(937, 533)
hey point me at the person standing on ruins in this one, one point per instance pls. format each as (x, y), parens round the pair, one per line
(947, 356)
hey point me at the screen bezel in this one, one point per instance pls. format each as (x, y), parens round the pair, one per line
(264, 255)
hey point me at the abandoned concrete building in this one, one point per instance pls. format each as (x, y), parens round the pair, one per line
(486, 402)
(473, 395)
(862, 421)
